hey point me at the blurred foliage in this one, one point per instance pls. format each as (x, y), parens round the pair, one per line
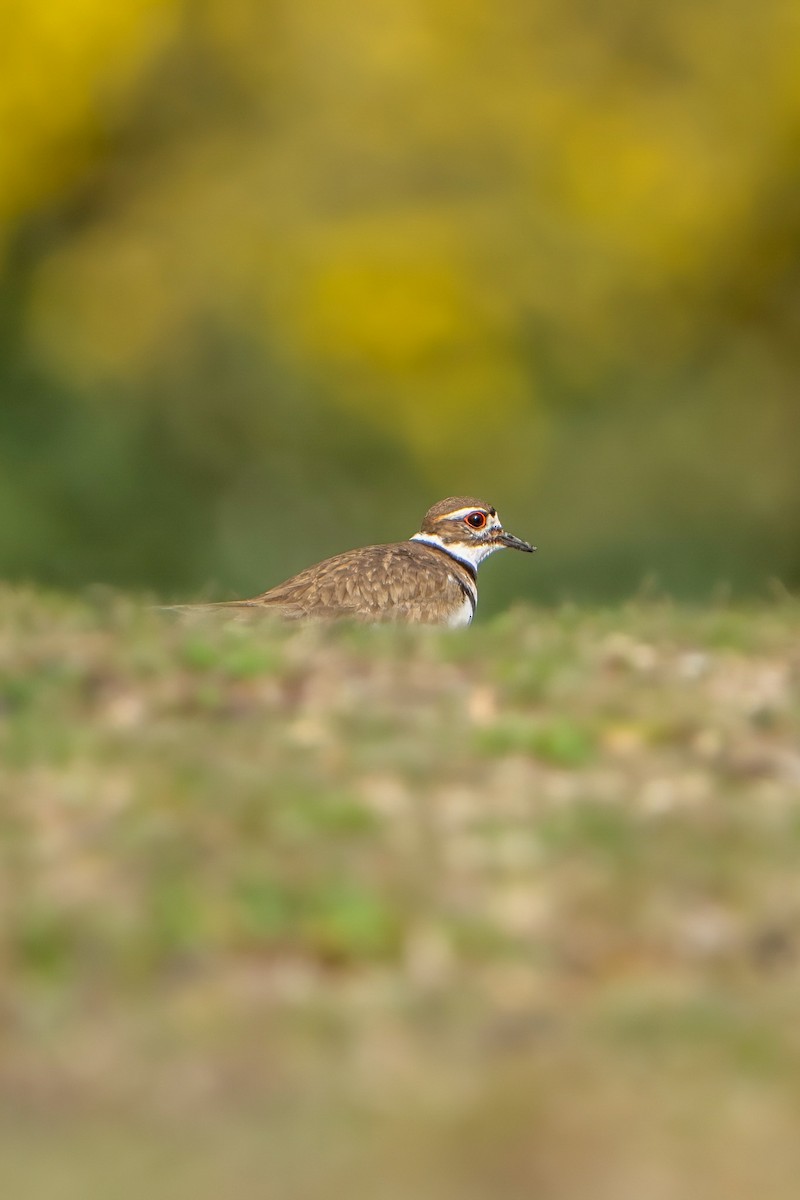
(275, 277)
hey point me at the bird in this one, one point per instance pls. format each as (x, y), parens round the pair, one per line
(431, 579)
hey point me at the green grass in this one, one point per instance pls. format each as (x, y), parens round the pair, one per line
(513, 911)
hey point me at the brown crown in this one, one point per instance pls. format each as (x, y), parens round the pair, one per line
(451, 504)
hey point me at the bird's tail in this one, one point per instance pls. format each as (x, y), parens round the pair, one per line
(240, 608)
(210, 606)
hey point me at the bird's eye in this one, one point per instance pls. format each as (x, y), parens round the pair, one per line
(476, 519)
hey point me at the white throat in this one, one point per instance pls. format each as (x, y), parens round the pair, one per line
(472, 555)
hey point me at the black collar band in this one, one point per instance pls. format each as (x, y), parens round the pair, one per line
(464, 562)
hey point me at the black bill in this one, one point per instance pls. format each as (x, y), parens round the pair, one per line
(515, 543)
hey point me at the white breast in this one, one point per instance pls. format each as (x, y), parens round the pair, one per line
(462, 616)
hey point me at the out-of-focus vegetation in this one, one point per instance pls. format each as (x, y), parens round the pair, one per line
(277, 276)
(318, 911)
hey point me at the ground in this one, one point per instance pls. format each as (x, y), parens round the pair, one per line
(305, 911)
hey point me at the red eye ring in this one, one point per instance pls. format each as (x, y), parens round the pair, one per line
(476, 520)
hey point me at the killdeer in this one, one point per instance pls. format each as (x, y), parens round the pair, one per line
(431, 579)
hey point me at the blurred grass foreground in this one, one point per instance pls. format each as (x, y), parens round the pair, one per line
(307, 911)
(325, 263)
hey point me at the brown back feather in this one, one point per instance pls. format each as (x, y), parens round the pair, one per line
(402, 581)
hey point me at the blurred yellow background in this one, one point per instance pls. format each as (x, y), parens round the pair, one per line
(276, 277)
